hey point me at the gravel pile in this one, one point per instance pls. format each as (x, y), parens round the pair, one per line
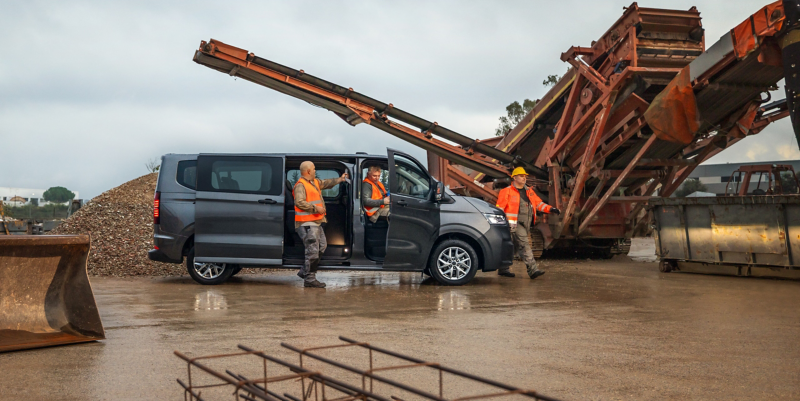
(120, 222)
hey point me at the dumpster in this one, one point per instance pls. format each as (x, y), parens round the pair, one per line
(756, 235)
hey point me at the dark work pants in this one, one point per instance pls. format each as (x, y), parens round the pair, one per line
(315, 243)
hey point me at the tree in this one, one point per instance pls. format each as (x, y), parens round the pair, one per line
(551, 80)
(690, 186)
(58, 195)
(515, 112)
(788, 183)
(152, 165)
(295, 176)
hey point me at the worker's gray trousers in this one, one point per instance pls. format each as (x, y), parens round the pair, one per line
(522, 247)
(315, 243)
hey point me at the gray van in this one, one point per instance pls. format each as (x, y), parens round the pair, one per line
(226, 211)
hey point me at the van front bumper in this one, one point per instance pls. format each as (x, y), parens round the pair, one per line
(500, 252)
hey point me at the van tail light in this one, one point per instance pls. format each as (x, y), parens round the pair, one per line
(156, 208)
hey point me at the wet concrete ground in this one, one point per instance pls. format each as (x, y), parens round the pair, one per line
(614, 329)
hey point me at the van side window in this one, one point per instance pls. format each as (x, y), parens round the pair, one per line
(294, 174)
(411, 179)
(187, 173)
(241, 174)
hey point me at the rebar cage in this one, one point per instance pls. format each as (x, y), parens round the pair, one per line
(335, 380)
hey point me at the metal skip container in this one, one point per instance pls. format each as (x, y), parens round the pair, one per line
(741, 235)
(45, 295)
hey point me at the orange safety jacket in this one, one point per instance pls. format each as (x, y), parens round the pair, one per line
(313, 196)
(376, 194)
(508, 200)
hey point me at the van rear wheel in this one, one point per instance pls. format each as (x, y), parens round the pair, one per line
(453, 262)
(208, 273)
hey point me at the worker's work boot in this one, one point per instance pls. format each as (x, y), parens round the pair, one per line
(505, 273)
(301, 274)
(314, 284)
(533, 271)
(311, 281)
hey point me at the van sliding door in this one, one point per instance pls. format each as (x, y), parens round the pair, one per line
(239, 209)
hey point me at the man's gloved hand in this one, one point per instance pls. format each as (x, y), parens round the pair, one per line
(555, 210)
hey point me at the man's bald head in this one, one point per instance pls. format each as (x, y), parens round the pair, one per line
(307, 170)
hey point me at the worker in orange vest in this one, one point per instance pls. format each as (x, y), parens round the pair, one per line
(374, 196)
(520, 204)
(309, 215)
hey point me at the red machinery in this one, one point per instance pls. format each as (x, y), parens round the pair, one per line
(636, 113)
(740, 181)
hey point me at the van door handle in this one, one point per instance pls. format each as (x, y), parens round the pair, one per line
(402, 203)
(268, 201)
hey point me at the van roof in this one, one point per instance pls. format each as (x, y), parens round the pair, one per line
(361, 154)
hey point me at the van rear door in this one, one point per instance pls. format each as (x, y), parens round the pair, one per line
(239, 209)
(414, 219)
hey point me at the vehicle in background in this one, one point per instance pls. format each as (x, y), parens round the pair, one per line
(739, 182)
(225, 211)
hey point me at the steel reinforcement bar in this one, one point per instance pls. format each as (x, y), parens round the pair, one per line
(314, 384)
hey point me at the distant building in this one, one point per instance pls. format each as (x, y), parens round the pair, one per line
(716, 176)
(23, 196)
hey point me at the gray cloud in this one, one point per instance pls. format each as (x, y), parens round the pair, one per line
(89, 91)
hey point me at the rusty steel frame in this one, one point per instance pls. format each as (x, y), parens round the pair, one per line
(589, 131)
(318, 382)
(602, 202)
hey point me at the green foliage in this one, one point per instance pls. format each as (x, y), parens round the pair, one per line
(515, 112)
(788, 184)
(47, 212)
(58, 195)
(551, 80)
(153, 165)
(690, 186)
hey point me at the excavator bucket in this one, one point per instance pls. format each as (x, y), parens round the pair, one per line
(45, 295)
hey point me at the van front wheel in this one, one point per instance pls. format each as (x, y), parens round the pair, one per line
(453, 262)
(208, 273)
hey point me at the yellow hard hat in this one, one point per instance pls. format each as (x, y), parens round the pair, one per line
(518, 171)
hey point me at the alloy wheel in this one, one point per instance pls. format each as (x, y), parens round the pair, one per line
(454, 263)
(209, 271)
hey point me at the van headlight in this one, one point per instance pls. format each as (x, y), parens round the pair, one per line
(499, 219)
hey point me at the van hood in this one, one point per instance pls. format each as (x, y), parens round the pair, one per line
(483, 206)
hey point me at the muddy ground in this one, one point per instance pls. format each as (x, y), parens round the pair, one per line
(587, 329)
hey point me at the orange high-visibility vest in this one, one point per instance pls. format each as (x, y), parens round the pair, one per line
(376, 194)
(313, 196)
(508, 200)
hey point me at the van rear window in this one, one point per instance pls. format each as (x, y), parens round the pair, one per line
(187, 173)
(240, 174)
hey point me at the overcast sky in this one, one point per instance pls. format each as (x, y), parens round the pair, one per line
(90, 91)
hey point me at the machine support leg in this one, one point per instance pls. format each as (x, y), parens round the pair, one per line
(616, 184)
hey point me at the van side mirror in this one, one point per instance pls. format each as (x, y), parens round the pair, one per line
(439, 191)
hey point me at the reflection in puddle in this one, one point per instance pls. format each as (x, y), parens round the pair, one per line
(210, 300)
(453, 300)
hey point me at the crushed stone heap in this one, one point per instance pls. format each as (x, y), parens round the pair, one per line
(120, 222)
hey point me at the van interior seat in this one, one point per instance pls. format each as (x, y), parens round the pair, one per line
(228, 183)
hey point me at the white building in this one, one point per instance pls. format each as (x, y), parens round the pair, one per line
(23, 196)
